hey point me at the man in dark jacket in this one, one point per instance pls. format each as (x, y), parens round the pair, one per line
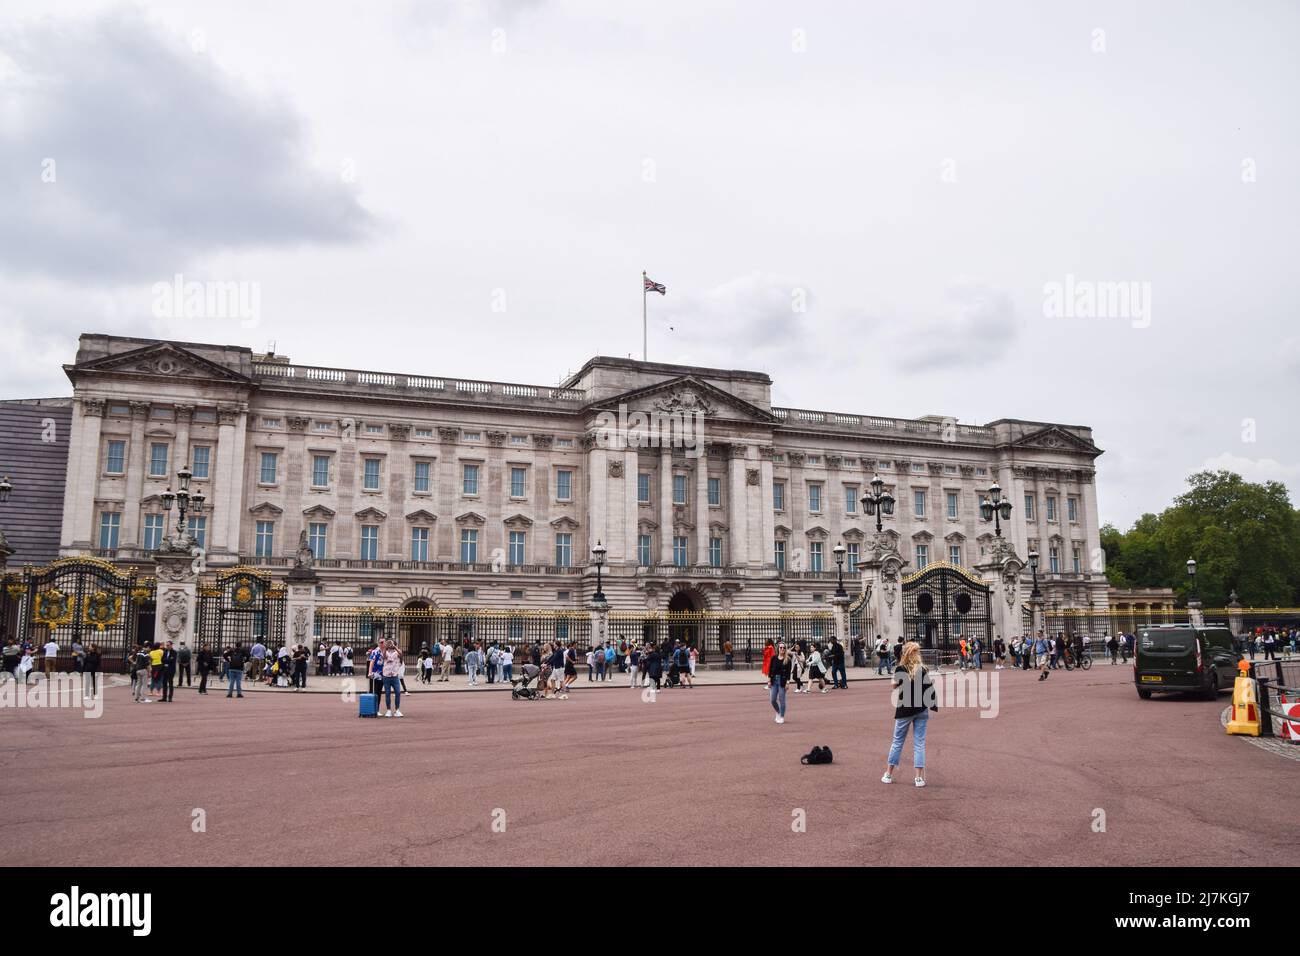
(234, 658)
(839, 678)
(183, 664)
(168, 672)
(206, 662)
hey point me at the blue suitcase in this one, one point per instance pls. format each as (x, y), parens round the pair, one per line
(369, 705)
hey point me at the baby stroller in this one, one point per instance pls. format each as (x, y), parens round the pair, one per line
(674, 675)
(521, 688)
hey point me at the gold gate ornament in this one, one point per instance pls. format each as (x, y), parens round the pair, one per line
(53, 609)
(101, 609)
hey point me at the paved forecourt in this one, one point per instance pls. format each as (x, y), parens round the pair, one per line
(692, 777)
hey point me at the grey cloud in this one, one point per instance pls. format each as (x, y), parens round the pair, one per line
(159, 156)
(978, 326)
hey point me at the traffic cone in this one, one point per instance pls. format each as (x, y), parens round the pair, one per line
(1245, 707)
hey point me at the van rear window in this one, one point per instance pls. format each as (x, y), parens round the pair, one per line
(1171, 642)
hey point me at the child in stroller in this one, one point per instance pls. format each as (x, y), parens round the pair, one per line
(674, 675)
(521, 688)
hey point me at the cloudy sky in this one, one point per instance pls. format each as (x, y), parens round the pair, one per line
(870, 201)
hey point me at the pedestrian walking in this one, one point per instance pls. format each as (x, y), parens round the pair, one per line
(913, 699)
(234, 658)
(778, 675)
(183, 658)
(391, 670)
(205, 664)
(90, 672)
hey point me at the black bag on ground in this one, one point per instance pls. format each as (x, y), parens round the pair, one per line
(817, 755)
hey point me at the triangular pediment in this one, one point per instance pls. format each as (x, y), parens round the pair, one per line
(686, 394)
(422, 515)
(318, 511)
(164, 359)
(518, 521)
(564, 523)
(1055, 438)
(370, 514)
(471, 517)
(266, 509)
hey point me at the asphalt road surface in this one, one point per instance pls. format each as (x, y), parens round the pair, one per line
(695, 777)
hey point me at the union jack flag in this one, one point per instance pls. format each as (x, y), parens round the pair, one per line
(652, 286)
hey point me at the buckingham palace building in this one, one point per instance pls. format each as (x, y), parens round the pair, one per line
(420, 490)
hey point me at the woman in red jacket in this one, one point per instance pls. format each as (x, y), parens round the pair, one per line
(768, 651)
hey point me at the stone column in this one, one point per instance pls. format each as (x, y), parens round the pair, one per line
(1000, 570)
(300, 605)
(227, 497)
(738, 506)
(702, 509)
(137, 463)
(765, 548)
(881, 567)
(665, 505)
(83, 477)
(1195, 613)
(598, 611)
(840, 607)
(174, 569)
(1236, 621)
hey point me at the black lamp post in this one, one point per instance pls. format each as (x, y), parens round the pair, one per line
(839, 551)
(1191, 576)
(879, 502)
(186, 503)
(1033, 566)
(996, 509)
(598, 552)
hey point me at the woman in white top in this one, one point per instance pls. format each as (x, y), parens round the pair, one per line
(25, 665)
(816, 669)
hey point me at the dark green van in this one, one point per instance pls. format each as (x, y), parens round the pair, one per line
(1180, 657)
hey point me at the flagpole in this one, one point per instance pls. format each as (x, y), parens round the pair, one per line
(644, 356)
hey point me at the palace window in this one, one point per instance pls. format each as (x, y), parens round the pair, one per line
(1072, 509)
(158, 460)
(922, 556)
(814, 497)
(316, 532)
(320, 471)
(643, 488)
(370, 477)
(814, 556)
(778, 496)
(419, 544)
(264, 539)
(1029, 507)
(715, 552)
(954, 554)
(267, 472)
(153, 532)
(851, 558)
(201, 461)
(680, 546)
(918, 503)
(1054, 560)
(110, 524)
(115, 460)
(1051, 507)
(517, 478)
(679, 489)
(423, 476)
(369, 542)
(468, 546)
(779, 556)
(564, 485)
(1077, 559)
(518, 541)
(952, 504)
(198, 528)
(851, 499)
(469, 474)
(564, 550)
(715, 491)
(644, 550)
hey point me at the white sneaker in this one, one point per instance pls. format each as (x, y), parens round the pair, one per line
(780, 719)
(887, 778)
(388, 713)
(397, 713)
(823, 690)
(919, 781)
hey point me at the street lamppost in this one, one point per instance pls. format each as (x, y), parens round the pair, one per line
(598, 552)
(839, 552)
(1033, 566)
(879, 502)
(996, 509)
(1191, 577)
(5, 488)
(186, 504)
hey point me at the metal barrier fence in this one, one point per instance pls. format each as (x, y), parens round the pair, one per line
(359, 627)
(1099, 623)
(710, 631)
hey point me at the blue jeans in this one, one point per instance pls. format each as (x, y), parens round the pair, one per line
(838, 676)
(507, 671)
(235, 676)
(777, 694)
(917, 723)
(392, 686)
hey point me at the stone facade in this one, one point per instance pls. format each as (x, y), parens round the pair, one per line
(458, 492)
